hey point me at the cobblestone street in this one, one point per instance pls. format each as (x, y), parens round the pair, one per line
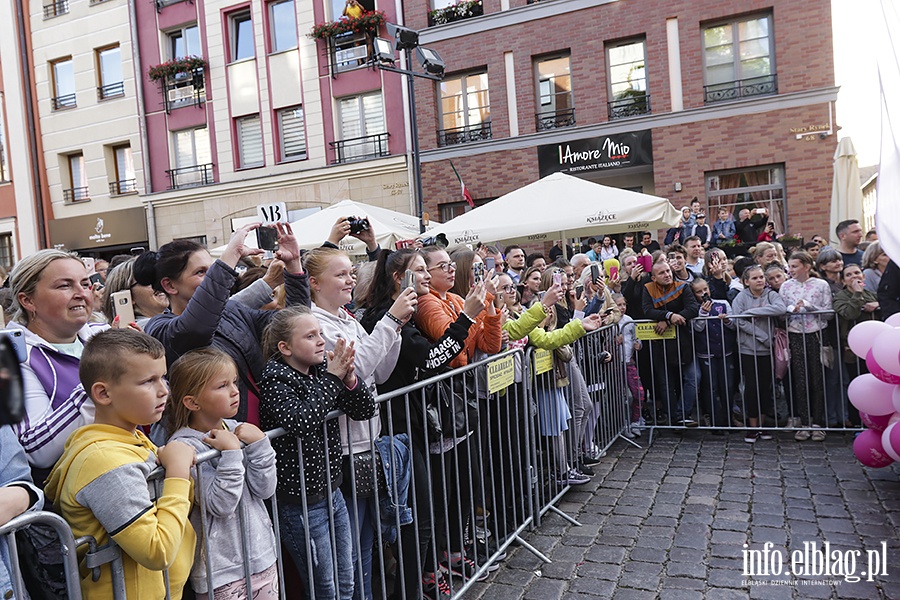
(670, 522)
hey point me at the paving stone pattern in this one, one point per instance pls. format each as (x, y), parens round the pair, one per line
(669, 521)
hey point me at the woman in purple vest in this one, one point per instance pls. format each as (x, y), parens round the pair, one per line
(52, 304)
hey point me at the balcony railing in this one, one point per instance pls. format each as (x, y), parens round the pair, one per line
(63, 102)
(161, 4)
(554, 119)
(462, 135)
(56, 8)
(111, 90)
(184, 89)
(735, 90)
(79, 194)
(190, 176)
(125, 186)
(630, 106)
(348, 51)
(361, 148)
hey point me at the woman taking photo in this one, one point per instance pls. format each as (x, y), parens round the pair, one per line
(201, 312)
(52, 301)
(145, 301)
(331, 286)
(806, 293)
(529, 286)
(756, 308)
(419, 358)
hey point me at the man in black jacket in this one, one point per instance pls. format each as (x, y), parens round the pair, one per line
(672, 305)
(747, 228)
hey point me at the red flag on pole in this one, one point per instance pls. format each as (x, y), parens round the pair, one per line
(464, 190)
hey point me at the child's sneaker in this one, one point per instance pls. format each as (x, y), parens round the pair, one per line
(461, 566)
(435, 587)
(636, 428)
(574, 477)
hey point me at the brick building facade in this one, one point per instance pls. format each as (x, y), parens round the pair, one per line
(735, 103)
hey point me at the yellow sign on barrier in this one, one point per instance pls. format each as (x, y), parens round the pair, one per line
(501, 374)
(647, 331)
(543, 361)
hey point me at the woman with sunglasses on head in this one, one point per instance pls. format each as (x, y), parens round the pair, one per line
(145, 301)
(201, 312)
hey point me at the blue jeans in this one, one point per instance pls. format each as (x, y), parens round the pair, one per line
(675, 375)
(717, 388)
(363, 522)
(331, 561)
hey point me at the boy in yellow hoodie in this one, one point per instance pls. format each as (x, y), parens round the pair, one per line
(100, 482)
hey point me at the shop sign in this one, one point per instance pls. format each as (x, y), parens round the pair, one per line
(113, 228)
(604, 153)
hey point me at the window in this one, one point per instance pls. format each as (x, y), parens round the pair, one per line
(109, 69)
(554, 91)
(241, 36)
(362, 128)
(63, 84)
(337, 7)
(627, 79)
(193, 159)
(124, 180)
(451, 210)
(184, 42)
(4, 167)
(282, 26)
(755, 187)
(738, 59)
(465, 109)
(291, 133)
(54, 8)
(6, 251)
(250, 142)
(78, 189)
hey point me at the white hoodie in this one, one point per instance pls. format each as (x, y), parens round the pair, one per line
(376, 357)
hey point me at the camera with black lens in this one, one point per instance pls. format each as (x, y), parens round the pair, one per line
(439, 240)
(358, 225)
(12, 391)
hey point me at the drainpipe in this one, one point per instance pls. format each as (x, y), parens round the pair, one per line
(32, 128)
(142, 122)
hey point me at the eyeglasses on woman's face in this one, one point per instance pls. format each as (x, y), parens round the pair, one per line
(507, 288)
(446, 267)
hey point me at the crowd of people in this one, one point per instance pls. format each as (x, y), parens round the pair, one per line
(221, 350)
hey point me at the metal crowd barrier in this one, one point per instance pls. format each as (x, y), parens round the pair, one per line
(67, 542)
(580, 407)
(756, 373)
(475, 494)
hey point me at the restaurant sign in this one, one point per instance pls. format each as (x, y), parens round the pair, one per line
(596, 154)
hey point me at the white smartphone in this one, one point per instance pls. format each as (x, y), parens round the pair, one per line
(88, 264)
(124, 307)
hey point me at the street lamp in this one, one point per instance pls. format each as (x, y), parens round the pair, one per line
(407, 40)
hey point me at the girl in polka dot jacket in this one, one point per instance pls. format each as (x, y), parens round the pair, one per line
(299, 388)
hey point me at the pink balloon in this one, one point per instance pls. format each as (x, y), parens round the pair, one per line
(886, 350)
(890, 441)
(893, 320)
(879, 423)
(876, 370)
(861, 338)
(871, 395)
(894, 418)
(868, 449)
(896, 400)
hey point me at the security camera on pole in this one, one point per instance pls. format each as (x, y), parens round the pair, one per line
(384, 57)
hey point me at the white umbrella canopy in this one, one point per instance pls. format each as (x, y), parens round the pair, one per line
(557, 206)
(846, 192)
(314, 229)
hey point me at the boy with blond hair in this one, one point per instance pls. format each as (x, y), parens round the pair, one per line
(100, 482)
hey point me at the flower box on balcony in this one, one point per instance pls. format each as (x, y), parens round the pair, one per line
(172, 68)
(369, 22)
(462, 9)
